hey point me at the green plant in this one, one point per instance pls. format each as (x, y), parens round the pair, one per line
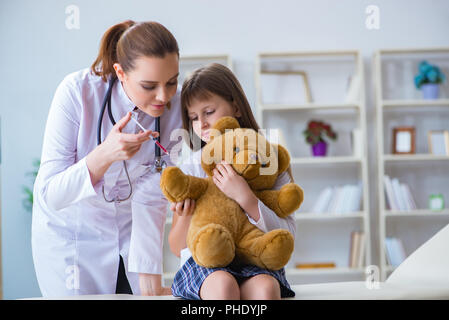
(28, 201)
(428, 74)
(317, 130)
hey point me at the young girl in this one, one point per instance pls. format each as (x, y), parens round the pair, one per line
(207, 95)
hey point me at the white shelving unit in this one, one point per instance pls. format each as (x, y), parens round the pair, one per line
(187, 64)
(323, 237)
(399, 103)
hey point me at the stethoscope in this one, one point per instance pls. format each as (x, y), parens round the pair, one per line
(158, 165)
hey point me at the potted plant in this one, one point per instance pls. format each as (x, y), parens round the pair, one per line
(28, 192)
(315, 133)
(428, 79)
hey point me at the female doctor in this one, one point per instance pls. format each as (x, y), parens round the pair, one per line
(98, 213)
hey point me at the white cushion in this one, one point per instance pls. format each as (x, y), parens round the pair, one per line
(428, 265)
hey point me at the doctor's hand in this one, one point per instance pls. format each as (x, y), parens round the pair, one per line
(123, 146)
(117, 146)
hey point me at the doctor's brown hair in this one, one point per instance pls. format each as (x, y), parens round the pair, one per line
(216, 79)
(127, 41)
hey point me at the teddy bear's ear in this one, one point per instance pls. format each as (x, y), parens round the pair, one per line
(226, 123)
(283, 157)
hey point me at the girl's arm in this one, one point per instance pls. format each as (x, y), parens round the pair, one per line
(182, 214)
(182, 211)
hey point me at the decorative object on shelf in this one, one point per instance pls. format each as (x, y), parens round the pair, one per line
(404, 140)
(315, 133)
(436, 202)
(438, 142)
(429, 79)
(27, 202)
(302, 74)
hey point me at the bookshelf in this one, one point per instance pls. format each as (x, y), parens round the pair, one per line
(399, 103)
(187, 64)
(291, 89)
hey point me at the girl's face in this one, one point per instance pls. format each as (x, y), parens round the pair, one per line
(152, 83)
(204, 113)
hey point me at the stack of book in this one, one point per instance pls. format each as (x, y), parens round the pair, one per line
(339, 200)
(357, 251)
(395, 251)
(399, 196)
(315, 265)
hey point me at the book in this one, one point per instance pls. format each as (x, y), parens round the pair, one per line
(354, 249)
(409, 196)
(357, 202)
(395, 251)
(339, 200)
(398, 194)
(361, 254)
(322, 202)
(357, 249)
(390, 194)
(315, 265)
(335, 199)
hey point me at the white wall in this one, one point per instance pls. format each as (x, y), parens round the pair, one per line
(37, 51)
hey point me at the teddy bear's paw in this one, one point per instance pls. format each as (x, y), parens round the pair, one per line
(213, 246)
(174, 183)
(290, 199)
(278, 249)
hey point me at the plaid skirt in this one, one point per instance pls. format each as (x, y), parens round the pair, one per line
(190, 277)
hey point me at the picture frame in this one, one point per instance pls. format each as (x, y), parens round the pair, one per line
(302, 74)
(403, 140)
(438, 142)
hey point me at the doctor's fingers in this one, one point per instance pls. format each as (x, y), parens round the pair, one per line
(139, 138)
(123, 122)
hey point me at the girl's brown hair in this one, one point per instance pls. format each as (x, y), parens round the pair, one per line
(216, 79)
(127, 41)
(219, 80)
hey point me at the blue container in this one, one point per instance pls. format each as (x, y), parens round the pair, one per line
(430, 91)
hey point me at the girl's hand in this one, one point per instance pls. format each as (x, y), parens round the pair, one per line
(123, 146)
(235, 187)
(183, 208)
(230, 183)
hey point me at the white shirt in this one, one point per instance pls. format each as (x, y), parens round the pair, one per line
(268, 219)
(72, 224)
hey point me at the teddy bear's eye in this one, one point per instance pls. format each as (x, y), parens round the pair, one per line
(236, 149)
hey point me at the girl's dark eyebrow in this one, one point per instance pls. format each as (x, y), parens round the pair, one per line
(148, 81)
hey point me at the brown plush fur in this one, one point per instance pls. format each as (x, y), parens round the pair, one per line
(219, 229)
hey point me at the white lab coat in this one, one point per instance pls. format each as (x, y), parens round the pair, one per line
(77, 236)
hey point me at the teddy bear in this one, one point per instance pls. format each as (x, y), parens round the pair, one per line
(219, 230)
